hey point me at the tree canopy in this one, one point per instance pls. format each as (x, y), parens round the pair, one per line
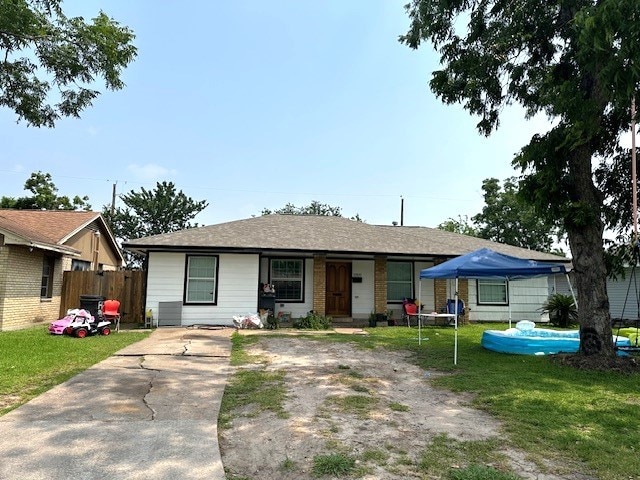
(314, 208)
(578, 62)
(508, 218)
(44, 196)
(47, 56)
(152, 212)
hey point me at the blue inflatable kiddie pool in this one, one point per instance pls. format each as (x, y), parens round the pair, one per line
(526, 339)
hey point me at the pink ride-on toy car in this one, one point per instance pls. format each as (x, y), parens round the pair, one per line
(80, 323)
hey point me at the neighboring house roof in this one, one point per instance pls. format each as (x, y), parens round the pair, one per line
(326, 234)
(49, 229)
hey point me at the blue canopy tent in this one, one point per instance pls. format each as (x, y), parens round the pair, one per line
(486, 263)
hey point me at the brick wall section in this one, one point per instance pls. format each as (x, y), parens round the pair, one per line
(320, 284)
(4, 265)
(22, 277)
(380, 284)
(440, 292)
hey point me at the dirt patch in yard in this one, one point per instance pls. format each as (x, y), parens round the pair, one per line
(373, 407)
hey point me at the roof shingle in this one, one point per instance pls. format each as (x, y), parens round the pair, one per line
(316, 233)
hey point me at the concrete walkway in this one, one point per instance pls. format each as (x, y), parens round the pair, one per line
(148, 412)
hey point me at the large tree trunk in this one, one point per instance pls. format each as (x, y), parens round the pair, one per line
(585, 230)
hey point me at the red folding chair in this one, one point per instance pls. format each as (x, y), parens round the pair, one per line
(111, 312)
(410, 310)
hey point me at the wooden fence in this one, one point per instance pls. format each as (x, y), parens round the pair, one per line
(126, 286)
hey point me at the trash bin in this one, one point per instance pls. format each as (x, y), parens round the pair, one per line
(92, 304)
(267, 301)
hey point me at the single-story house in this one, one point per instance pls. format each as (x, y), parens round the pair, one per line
(332, 265)
(36, 247)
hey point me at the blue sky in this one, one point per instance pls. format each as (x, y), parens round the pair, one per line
(253, 104)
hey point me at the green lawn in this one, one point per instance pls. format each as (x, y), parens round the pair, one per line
(548, 409)
(32, 361)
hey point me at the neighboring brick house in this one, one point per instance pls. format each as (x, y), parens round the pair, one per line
(331, 265)
(36, 246)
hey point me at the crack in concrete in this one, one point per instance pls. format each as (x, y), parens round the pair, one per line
(146, 403)
(150, 385)
(186, 348)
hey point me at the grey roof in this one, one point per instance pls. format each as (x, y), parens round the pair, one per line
(315, 233)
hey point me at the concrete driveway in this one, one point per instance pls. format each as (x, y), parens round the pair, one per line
(148, 412)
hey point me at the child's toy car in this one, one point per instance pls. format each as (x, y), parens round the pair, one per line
(59, 326)
(82, 326)
(80, 323)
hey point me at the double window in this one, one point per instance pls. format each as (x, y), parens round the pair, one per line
(493, 292)
(399, 281)
(287, 276)
(201, 279)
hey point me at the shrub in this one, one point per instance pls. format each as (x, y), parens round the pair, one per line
(313, 321)
(561, 309)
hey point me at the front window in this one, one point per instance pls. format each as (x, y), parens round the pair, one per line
(493, 292)
(201, 279)
(399, 281)
(287, 277)
(46, 286)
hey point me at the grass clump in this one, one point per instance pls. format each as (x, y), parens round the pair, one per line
(376, 456)
(239, 355)
(398, 407)
(359, 405)
(253, 392)
(336, 464)
(481, 472)
(288, 465)
(33, 361)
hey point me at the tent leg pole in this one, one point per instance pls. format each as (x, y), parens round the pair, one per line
(575, 302)
(509, 299)
(455, 323)
(419, 304)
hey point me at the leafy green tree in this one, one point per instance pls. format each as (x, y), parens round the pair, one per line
(578, 62)
(44, 196)
(314, 208)
(509, 218)
(152, 212)
(462, 225)
(45, 54)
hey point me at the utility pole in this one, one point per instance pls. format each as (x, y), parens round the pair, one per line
(113, 200)
(401, 211)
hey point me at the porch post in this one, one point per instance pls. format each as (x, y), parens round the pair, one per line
(320, 284)
(380, 284)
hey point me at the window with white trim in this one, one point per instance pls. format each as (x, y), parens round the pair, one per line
(493, 292)
(399, 281)
(287, 276)
(201, 279)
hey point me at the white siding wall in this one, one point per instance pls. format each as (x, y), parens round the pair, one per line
(525, 297)
(362, 294)
(623, 301)
(237, 287)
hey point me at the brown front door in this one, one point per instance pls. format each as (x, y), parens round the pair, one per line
(338, 289)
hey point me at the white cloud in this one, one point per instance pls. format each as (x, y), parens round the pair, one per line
(17, 168)
(150, 172)
(92, 131)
